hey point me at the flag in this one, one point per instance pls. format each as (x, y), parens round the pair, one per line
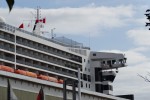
(10, 93)
(21, 26)
(41, 20)
(44, 20)
(40, 95)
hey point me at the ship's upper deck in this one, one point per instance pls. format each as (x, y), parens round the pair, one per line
(58, 40)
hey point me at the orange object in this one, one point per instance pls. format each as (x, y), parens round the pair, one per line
(22, 72)
(6, 68)
(60, 81)
(53, 79)
(31, 74)
(43, 77)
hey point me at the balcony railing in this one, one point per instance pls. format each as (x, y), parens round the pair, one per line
(112, 66)
(7, 58)
(7, 38)
(7, 48)
(46, 68)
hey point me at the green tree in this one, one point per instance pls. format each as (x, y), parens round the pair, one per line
(10, 4)
(146, 78)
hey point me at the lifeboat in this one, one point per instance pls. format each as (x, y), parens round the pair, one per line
(6, 68)
(22, 72)
(60, 81)
(43, 77)
(31, 74)
(53, 79)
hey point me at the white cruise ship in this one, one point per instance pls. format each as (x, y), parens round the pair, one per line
(30, 61)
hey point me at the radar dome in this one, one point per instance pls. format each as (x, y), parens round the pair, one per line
(2, 19)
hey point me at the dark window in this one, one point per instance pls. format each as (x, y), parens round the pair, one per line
(81, 84)
(98, 74)
(94, 54)
(85, 77)
(109, 78)
(105, 87)
(81, 76)
(86, 85)
(98, 88)
(113, 61)
(103, 62)
(89, 78)
(84, 60)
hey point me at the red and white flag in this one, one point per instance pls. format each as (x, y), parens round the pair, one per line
(40, 95)
(44, 20)
(21, 26)
(41, 20)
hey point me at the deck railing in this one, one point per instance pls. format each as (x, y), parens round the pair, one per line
(13, 29)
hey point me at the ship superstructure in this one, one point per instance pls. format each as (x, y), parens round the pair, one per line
(53, 60)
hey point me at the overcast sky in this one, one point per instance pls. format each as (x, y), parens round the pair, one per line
(104, 25)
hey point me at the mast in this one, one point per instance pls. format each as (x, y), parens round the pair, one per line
(37, 25)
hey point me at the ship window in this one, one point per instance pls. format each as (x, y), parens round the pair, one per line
(113, 61)
(94, 54)
(85, 77)
(89, 78)
(81, 76)
(121, 61)
(81, 84)
(84, 60)
(86, 85)
(103, 62)
(106, 87)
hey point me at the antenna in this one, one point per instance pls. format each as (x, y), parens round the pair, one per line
(38, 22)
(52, 33)
(89, 39)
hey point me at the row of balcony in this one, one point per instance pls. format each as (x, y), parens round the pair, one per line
(7, 58)
(6, 36)
(46, 58)
(49, 50)
(52, 69)
(110, 66)
(7, 48)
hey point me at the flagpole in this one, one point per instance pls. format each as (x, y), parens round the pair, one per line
(8, 90)
(15, 49)
(79, 85)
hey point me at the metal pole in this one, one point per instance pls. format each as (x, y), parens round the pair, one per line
(15, 49)
(79, 85)
(64, 90)
(74, 90)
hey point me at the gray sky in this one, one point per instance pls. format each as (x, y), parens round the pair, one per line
(104, 25)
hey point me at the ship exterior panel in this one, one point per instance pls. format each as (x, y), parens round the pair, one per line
(34, 57)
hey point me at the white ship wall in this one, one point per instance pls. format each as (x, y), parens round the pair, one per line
(28, 84)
